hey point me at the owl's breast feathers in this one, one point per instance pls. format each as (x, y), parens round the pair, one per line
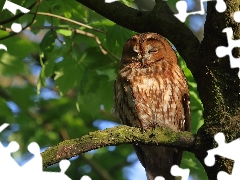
(153, 96)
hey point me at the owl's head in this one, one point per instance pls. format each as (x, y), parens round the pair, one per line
(143, 50)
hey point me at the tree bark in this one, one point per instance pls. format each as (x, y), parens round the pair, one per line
(218, 87)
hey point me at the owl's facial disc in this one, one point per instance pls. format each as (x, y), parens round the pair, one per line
(142, 52)
(150, 53)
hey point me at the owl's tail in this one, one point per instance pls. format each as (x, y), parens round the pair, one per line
(158, 160)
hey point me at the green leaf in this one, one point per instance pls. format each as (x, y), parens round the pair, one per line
(23, 96)
(68, 74)
(95, 91)
(96, 84)
(116, 42)
(127, 2)
(18, 47)
(64, 32)
(105, 22)
(3, 34)
(48, 42)
(10, 65)
(92, 58)
(50, 64)
(190, 161)
(2, 4)
(111, 73)
(41, 80)
(5, 110)
(195, 102)
(197, 120)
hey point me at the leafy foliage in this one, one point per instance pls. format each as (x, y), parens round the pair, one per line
(56, 83)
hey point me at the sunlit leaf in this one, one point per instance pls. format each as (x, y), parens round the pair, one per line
(10, 65)
(64, 32)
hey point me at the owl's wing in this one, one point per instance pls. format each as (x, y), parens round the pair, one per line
(115, 109)
(120, 108)
(186, 107)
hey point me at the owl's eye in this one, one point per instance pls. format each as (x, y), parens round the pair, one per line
(153, 50)
(133, 53)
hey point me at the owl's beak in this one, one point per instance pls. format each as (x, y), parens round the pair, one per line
(144, 61)
(141, 59)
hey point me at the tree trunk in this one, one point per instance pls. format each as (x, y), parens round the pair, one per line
(218, 87)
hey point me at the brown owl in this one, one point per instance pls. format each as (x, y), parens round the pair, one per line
(151, 91)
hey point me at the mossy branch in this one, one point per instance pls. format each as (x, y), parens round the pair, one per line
(116, 136)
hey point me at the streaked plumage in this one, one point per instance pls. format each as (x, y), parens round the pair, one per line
(151, 91)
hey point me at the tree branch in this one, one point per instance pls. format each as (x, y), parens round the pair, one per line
(160, 20)
(116, 136)
(69, 20)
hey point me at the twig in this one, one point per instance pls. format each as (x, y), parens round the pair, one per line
(102, 48)
(69, 20)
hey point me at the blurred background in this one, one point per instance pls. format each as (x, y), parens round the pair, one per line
(56, 83)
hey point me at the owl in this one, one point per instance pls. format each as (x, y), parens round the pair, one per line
(151, 91)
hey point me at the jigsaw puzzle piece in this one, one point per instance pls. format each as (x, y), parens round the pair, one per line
(210, 158)
(8, 164)
(35, 164)
(177, 171)
(5, 154)
(85, 178)
(64, 164)
(227, 150)
(159, 178)
(182, 9)
(236, 16)
(222, 51)
(12, 7)
(225, 176)
(110, 1)
(2, 46)
(4, 125)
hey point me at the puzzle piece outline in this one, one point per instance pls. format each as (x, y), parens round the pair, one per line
(222, 51)
(228, 150)
(34, 165)
(177, 171)
(12, 7)
(182, 9)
